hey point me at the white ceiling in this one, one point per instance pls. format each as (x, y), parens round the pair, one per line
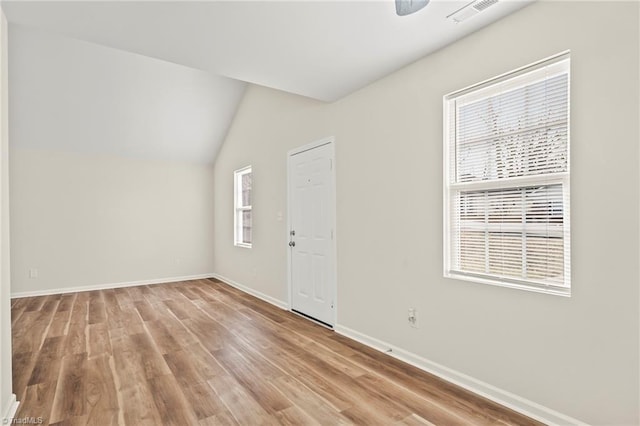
(319, 49)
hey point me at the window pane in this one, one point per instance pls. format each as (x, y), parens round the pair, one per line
(473, 252)
(246, 226)
(521, 132)
(505, 254)
(535, 208)
(545, 260)
(511, 232)
(246, 190)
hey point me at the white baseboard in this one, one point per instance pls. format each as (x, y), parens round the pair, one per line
(108, 286)
(276, 302)
(502, 397)
(11, 407)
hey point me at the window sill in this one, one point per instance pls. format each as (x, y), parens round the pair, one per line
(556, 291)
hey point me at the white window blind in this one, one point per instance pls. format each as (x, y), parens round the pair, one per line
(507, 180)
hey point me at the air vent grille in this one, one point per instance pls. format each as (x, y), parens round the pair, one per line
(482, 5)
(470, 10)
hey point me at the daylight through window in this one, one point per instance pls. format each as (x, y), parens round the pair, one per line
(243, 222)
(507, 180)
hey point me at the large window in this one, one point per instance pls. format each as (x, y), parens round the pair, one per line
(507, 180)
(242, 201)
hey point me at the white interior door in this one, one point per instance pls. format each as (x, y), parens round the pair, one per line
(311, 213)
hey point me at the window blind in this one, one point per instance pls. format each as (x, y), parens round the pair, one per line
(521, 132)
(507, 188)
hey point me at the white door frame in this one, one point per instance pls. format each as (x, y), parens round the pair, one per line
(330, 141)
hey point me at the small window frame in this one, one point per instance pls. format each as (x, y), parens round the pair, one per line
(240, 209)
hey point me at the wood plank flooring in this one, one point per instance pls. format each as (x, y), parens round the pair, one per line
(203, 353)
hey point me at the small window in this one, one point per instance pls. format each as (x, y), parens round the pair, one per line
(242, 198)
(506, 207)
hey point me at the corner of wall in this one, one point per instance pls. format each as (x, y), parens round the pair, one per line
(7, 398)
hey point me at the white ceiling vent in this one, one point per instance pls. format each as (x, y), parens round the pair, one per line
(471, 9)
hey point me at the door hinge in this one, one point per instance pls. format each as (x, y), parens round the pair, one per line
(332, 234)
(330, 163)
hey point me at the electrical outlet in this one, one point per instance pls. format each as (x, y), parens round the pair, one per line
(33, 273)
(412, 317)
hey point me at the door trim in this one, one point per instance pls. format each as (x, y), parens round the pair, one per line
(332, 217)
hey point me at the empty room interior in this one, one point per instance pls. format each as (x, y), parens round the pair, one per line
(377, 212)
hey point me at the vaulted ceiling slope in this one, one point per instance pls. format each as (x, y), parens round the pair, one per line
(101, 63)
(319, 49)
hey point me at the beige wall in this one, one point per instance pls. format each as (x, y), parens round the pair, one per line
(111, 174)
(268, 124)
(6, 392)
(85, 220)
(579, 355)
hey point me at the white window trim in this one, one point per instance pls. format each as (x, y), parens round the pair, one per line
(507, 81)
(237, 210)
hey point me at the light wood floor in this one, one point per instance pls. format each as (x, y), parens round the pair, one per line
(201, 352)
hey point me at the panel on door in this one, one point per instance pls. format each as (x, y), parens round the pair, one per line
(311, 241)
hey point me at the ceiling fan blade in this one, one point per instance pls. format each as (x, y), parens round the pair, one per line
(407, 7)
